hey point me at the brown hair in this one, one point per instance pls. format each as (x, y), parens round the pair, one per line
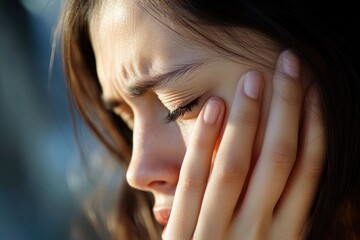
(307, 29)
(135, 217)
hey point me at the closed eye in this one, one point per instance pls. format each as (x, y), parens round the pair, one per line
(181, 111)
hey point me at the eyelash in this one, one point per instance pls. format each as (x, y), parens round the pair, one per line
(181, 111)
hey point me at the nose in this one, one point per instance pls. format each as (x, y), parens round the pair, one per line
(158, 150)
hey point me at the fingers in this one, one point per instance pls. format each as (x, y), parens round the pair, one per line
(229, 170)
(284, 177)
(297, 199)
(233, 158)
(278, 153)
(194, 172)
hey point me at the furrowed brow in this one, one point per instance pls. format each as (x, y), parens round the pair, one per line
(139, 85)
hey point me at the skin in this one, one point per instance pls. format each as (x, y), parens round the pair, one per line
(223, 166)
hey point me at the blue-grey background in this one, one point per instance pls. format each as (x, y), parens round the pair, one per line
(37, 144)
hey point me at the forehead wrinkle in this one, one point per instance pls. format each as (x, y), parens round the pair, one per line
(176, 98)
(135, 86)
(121, 48)
(177, 94)
(140, 67)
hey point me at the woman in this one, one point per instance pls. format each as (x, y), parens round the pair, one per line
(216, 121)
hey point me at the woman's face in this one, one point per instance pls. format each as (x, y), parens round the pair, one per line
(147, 71)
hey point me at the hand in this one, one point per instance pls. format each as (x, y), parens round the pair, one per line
(223, 193)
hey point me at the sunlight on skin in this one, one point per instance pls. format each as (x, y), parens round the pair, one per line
(128, 43)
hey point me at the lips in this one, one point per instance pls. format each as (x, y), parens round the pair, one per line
(162, 215)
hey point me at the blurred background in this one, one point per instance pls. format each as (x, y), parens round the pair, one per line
(38, 151)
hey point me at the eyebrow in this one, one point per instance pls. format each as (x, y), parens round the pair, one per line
(140, 85)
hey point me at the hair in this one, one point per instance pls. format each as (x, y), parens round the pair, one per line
(326, 37)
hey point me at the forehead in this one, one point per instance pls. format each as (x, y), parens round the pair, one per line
(116, 22)
(116, 27)
(129, 42)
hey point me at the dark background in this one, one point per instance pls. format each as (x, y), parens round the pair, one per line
(39, 158)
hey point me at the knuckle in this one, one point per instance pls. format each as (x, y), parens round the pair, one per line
(192, 182)
(316, 117)
(232, 174)
(314, 151)
(317, 140)
(282, 155)
(202, 140)
(313, 108)
(201, 143)
(313, 172)
(315, 163)
(289, 91)
(247, 116)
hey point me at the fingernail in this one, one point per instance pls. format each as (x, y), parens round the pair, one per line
(252, 85)
(290, 64)
(212, 111)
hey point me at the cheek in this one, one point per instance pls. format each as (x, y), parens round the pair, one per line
(186, 128)
(227, 92)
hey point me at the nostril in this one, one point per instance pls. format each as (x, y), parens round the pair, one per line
(157, 183)
(159, 186)
(140, 180)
